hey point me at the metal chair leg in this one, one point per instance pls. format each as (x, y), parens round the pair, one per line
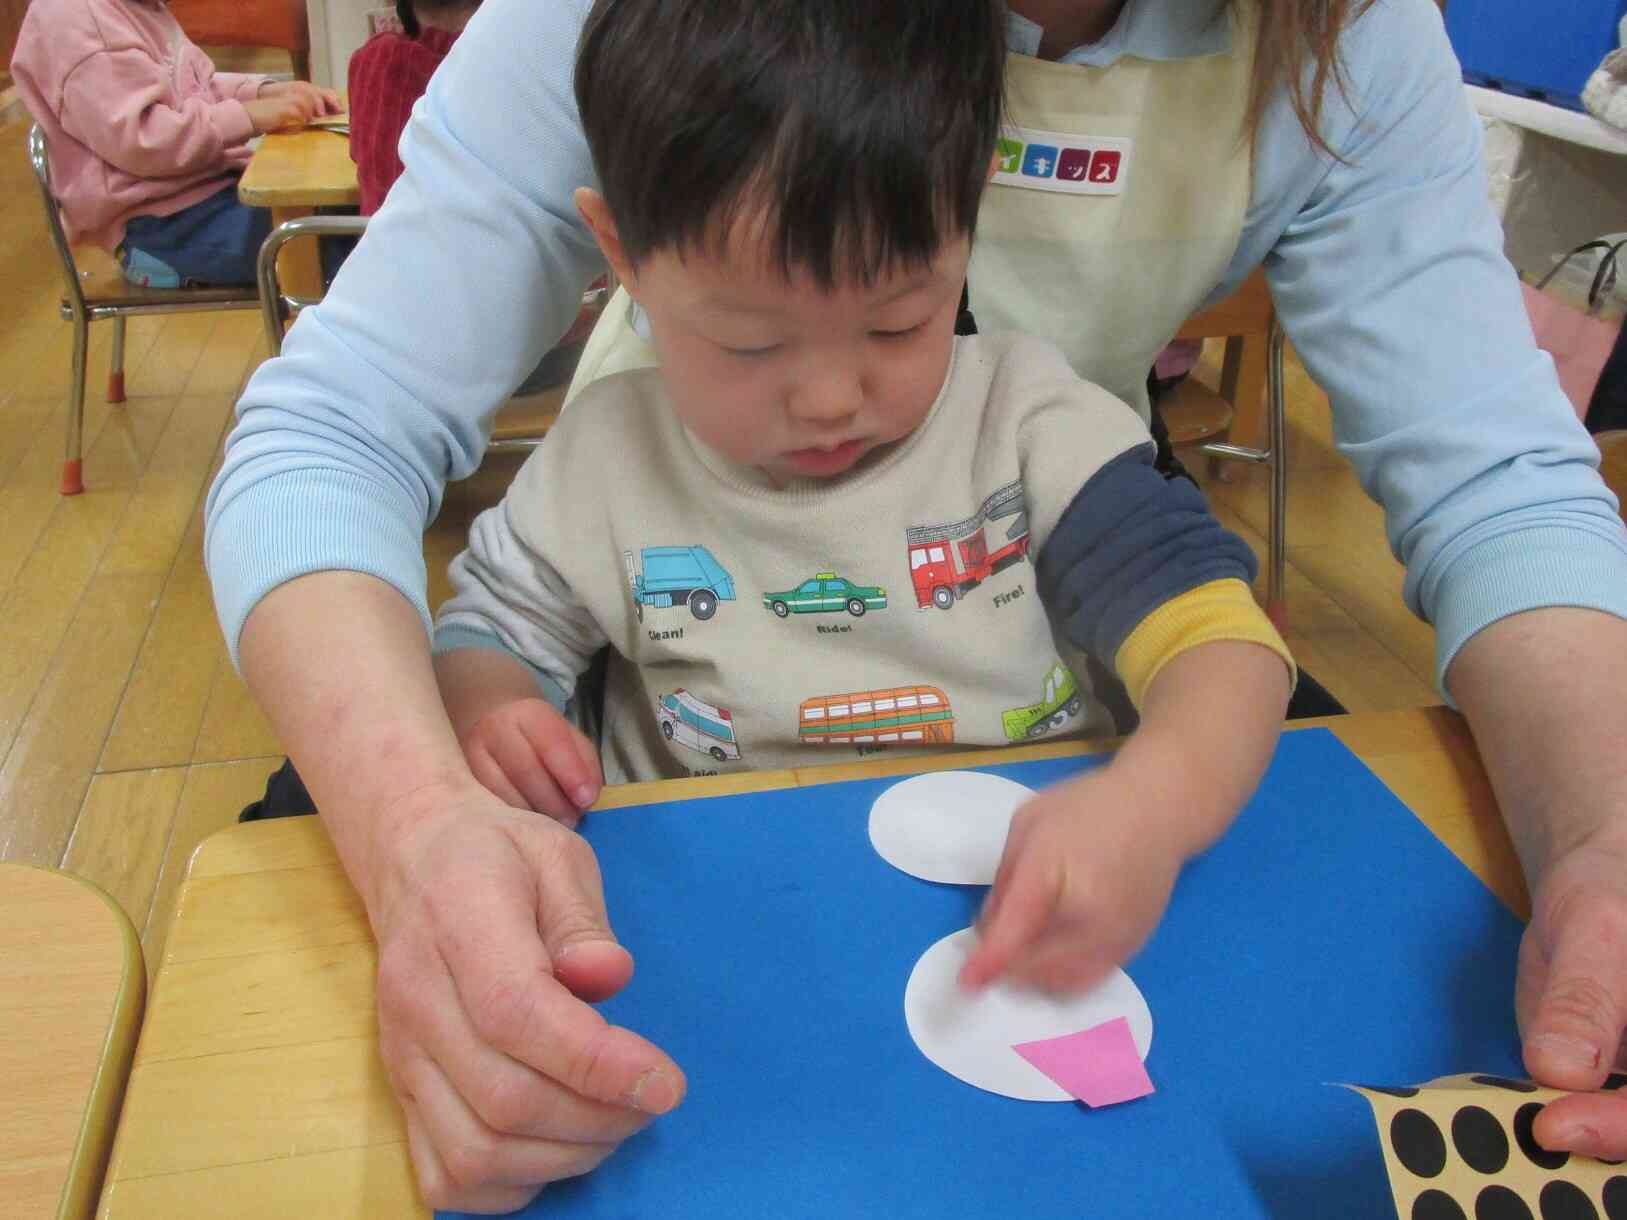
(1275, 457)
(1277, 424)
(72, 467)
(115, 375)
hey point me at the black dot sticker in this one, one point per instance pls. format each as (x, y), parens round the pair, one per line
(1479, 1139)
(1566, 1201)
(1615, 1198)
(1616, 1080)
(1503, 1082)
(1500, 1203)
(1418, 1143)
(1391, 1090)
(1535, 1152)
(1436, 1205)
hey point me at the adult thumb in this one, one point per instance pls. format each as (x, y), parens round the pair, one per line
(575, 928)
(1576, 1026)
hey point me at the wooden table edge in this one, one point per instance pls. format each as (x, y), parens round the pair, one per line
(275, 198)
(82, 1183)
(650, 792)
(1364, 734)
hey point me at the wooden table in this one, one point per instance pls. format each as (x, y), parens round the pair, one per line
(71, 988)
(257, 1090)
(293, 173)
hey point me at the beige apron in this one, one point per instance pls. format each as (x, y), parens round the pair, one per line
(1118, 207)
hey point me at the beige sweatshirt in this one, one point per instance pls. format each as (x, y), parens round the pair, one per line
(897, 606)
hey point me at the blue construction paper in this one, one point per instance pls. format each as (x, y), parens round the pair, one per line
(1329, 937)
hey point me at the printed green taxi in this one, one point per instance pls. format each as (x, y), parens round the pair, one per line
(826, 593)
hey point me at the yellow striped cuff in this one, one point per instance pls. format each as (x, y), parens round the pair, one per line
(1219, 610)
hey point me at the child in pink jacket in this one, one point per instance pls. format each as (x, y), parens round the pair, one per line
(147, 140)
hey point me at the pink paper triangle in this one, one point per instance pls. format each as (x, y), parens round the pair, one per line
(1100, 1066)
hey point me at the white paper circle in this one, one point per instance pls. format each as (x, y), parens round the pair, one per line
(969, 1034)
(946, 826)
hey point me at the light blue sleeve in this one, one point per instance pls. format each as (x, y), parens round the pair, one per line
(1389, 274)
(471, 270)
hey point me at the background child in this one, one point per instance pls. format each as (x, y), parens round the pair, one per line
(147, 139)
(388, 73)
(811, 528)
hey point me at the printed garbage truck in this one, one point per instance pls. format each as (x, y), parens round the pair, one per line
(948, 560)
(678, 576)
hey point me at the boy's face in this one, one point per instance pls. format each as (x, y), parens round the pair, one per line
(786, 377)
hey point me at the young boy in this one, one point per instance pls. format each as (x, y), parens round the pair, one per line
(826, 524)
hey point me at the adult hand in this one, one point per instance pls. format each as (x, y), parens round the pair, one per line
(317, 100)
(492, 933)
(1542, 691)
(529, 756)
(1087, 871)
(1571, 995)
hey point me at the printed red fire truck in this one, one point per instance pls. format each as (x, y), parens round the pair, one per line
(949, 559)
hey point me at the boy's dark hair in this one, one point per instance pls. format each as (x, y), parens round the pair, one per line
(865, 127)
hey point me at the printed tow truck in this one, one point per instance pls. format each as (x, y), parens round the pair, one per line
(678, 576)
(827, 592)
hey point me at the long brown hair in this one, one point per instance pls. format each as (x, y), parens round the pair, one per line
(1298, 48)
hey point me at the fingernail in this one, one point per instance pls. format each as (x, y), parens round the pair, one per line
(1576, 1137)
(584, 796)
(655, 1092)
(1566, 1050)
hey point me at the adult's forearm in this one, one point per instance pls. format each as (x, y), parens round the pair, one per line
(340, 663)
(1545, 693)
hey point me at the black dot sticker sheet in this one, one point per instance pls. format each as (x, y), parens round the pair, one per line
(1461, 1148)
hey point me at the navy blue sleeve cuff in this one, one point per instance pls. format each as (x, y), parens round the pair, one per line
(1129, 542)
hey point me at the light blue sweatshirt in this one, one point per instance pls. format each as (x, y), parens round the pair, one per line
(1386, 265)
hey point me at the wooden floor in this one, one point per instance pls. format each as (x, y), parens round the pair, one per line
(125, 737)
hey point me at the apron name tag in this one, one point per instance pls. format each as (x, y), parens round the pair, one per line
(1056, 161)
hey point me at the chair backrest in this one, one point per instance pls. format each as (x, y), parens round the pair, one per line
(39, 159)
(1247, 311)
(248, 23)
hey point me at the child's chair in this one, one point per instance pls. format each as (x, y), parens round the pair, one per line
(279, 24)
(520, 425)
(99, 291)
(1250, 376)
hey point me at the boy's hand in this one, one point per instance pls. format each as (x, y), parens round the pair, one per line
(318, 101)
(530, 757)
(1087, 872)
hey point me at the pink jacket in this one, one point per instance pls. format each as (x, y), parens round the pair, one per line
(138, 120)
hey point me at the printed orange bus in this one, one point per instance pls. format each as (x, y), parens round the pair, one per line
(899, 715)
